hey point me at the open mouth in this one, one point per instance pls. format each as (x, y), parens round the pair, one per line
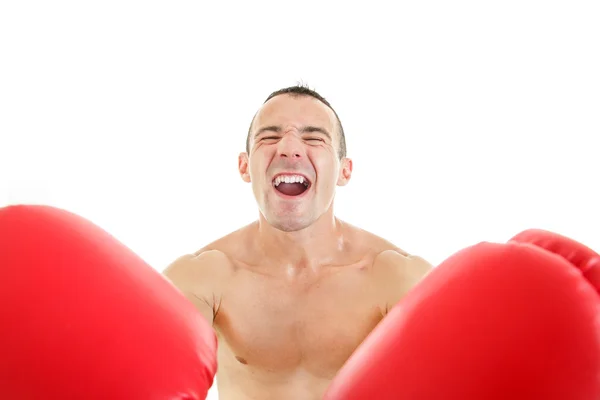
(291, 185)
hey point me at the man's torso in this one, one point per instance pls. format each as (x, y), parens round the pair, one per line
(285, 331)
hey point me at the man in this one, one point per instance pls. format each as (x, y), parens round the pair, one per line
(292, 295)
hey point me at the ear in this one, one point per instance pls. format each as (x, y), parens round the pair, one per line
(345, 172)
(243, 167)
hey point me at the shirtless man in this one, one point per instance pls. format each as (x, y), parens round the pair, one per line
(293, 294)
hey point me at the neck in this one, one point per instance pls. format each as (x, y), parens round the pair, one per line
(310, 247)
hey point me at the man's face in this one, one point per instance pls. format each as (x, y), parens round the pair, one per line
(293, 163)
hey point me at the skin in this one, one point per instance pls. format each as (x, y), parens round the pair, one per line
(293, 294)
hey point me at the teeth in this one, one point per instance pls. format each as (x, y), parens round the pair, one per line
(289, 179)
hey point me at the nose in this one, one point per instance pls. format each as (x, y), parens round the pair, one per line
(290, 146)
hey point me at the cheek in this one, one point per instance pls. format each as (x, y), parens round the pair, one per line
(327, 168)
(259, 168)
(257, 163)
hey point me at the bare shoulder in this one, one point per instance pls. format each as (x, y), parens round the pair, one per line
(213, 260)
(395, 271)
(394, 263)
(202, 276)
(190, 270)
(389, 260)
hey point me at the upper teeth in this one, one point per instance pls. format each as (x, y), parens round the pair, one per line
(289, 179)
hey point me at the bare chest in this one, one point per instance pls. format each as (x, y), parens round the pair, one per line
(282, 324)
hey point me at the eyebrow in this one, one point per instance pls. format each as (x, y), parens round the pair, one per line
(304, 129)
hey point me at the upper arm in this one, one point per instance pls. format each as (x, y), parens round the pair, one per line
(201, 279)
(396, 274)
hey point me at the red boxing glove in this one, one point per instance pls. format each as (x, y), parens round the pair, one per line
(83, 317)
(514, 321)
(584, 258)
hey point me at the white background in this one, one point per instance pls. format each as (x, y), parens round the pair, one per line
(466, 121)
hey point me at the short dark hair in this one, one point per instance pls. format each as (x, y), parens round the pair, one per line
(301, 90)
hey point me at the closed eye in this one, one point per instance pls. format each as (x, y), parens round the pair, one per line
(318, 139)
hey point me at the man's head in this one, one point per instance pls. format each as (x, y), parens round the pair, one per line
(298, 91)
(295, 157)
